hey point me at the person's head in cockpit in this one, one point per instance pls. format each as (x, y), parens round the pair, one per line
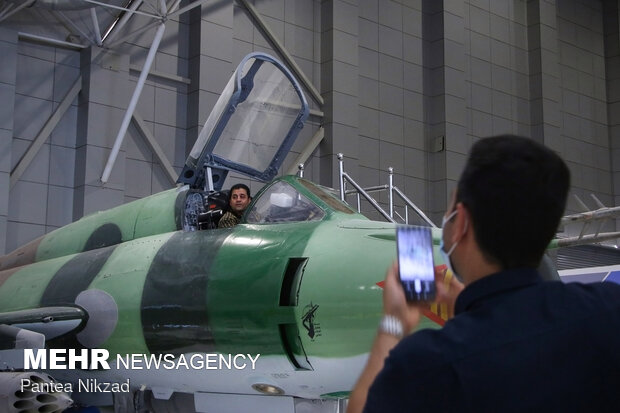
(238, 200)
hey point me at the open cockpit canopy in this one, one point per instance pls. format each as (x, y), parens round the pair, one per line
(252, 126)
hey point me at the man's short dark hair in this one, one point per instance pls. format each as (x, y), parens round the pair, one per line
(515, 190)
(238, 186)
(230, 193)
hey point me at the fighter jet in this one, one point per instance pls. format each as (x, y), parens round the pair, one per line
(159, 310)
(295, 282)
(291, 292)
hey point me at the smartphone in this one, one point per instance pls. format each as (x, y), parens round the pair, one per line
(415, 262)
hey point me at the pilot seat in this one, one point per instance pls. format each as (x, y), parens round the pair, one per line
(215, 207)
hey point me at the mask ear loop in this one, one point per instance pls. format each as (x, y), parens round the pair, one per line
(448, 218)
(463, 233)
(466, 225)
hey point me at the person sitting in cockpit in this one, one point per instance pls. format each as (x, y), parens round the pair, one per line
(238, 200)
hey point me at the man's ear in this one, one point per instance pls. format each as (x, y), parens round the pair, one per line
(462, 222)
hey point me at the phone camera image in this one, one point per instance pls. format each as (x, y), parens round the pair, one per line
(415, 262)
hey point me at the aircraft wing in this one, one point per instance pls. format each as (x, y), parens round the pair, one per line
(591, 221)
(30, 329)
(33, 327)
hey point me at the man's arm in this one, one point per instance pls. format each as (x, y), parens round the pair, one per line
(380, 349)
(395, 304)
(229, 220)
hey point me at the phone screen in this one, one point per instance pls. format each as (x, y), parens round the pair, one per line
(415, 262)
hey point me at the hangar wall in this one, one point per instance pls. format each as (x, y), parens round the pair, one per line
(409, 84)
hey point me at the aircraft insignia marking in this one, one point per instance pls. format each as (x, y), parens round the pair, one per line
(314, 329)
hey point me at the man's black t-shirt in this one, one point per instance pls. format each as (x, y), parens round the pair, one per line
(516, 344)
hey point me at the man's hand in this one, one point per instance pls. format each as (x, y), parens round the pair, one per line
(394, 302)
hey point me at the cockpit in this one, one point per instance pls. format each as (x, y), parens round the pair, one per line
(279, 202)
(250, 131)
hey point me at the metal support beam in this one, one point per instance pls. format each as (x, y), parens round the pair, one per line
(167, 76)
(132, 34)
(318, 113)
(8, 12)
(188, 7)
(310, 147)
(98, 3)
(93, 15)
(283, 52)
(157, 150)
(132, 103)
(120, 22)
(4, 10)
(174, 4)
(151, 5)
(61, 16)
(45, 132)
(49, 41)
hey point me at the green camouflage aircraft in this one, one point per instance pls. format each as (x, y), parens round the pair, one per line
(276, 312)
(294, 286)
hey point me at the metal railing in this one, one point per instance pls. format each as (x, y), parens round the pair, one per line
(392, 190)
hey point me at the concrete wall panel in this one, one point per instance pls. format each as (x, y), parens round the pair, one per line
(398, 78)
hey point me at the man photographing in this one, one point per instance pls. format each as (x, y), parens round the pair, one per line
(515, 343)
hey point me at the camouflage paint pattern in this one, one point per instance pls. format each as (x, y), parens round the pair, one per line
(302, 291)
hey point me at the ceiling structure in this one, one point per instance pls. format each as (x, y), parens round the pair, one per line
(90, 22)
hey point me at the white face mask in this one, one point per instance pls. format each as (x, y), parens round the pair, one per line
(446, 255)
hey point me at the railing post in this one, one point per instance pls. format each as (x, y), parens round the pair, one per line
(391, 191)
(300, 173)
(341, 175)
